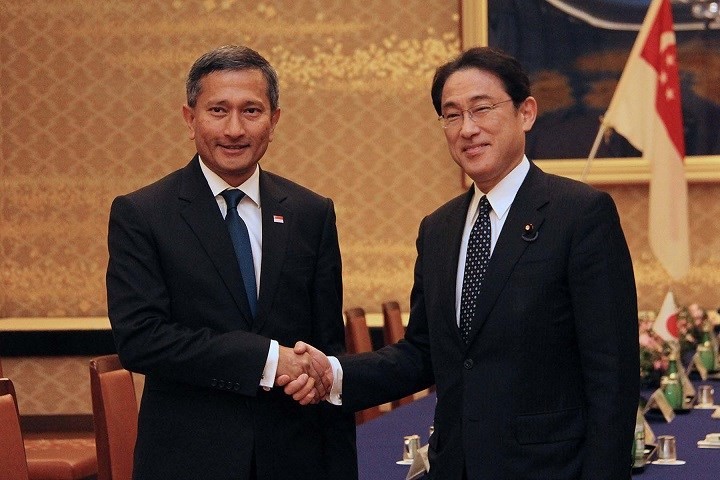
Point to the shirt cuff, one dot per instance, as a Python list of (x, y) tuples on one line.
[(268, 376), (335, 396)]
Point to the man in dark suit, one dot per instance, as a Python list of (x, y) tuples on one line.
[(534, 351), (212, 325)]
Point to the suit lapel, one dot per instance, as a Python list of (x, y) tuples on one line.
[(525, 209), (448, 253), (200, 210), (276, 224)]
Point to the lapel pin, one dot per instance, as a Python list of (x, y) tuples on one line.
[(278, 219), (529, 233)]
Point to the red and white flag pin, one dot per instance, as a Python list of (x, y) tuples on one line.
[(278, 219)]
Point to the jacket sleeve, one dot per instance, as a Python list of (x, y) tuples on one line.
[(605, 309)]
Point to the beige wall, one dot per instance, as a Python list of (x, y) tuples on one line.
[(90, 96)]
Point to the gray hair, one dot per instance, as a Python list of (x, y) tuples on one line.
[(231, 57)]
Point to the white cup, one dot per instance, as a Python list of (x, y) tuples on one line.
[(411, 444), (666, 448)]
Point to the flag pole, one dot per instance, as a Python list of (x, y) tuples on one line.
[(593, 152)]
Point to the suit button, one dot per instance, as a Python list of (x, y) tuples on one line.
[(213, 383), (468, 364), (236, 387), (221, 384)]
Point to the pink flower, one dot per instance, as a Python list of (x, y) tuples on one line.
[(646, 341), (696, 312), (661, 363)]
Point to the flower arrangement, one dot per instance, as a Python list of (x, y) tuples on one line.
[(654, 352), (691, 321)]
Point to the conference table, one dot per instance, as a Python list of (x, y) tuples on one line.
[(380, 442)]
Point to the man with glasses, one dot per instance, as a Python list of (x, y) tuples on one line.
[(523, 311), (215, 272)]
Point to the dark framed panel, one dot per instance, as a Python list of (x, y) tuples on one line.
[(575, 51)]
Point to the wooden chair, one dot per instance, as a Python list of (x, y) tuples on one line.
[(115, 413), (357, 334), (393, 328), (357, 340), (393, 332), (59, 455), (13, 463)]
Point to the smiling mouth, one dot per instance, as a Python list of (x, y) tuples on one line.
[(234, 147), (476, 148)]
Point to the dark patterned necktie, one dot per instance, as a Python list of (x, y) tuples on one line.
[(476, 262), (241, 242)]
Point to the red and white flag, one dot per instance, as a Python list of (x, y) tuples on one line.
[(665, 323), (646, 110)]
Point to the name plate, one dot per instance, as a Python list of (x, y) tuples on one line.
[(649, 434), (657, 399), (687, 386), (698, 365), (420, 465)]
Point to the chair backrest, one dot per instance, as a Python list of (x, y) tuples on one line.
[(393, 328), (393, 332), (357, 334), (13, 463), (357, 340), (115, 415)]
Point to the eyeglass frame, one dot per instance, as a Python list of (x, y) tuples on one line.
[(480, 110)]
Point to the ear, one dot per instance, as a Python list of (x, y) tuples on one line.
[(274, 118), (189, 116), (528, 110)]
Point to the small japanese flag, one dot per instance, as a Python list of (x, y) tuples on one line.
[(665, 323)]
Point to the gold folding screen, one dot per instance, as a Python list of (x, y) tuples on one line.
[(90, 96), (90, 108)]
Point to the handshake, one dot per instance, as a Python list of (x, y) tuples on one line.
[(305, 372)]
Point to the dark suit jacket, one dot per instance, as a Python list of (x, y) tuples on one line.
[(180, 316), (548, 385)]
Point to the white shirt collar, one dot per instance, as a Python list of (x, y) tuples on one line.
[(503, 194), (251, 186)]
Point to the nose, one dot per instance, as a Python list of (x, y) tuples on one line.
[(234, 126), (468, 127)]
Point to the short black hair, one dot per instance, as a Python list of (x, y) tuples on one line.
[(500, 64)]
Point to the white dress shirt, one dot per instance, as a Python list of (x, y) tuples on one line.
[(500, 198)]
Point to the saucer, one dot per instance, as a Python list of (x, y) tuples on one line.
[(707, 444), (404, 462), (669, 462)]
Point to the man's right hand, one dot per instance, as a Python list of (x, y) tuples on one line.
[(322, 376), (299, 368)]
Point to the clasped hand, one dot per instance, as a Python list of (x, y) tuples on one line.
[(305, 372)]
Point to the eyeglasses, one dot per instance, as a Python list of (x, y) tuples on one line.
[(454, 119)]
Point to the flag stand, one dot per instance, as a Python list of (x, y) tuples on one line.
[(593, 152)]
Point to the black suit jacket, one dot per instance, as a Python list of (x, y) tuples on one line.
[(180, 316), (548, 384)]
